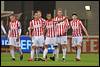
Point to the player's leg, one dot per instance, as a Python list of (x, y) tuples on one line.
[(11, 43), (47, 41), (56, 49), (32, 53), (40, 42), (32, 49), (64, 46), (56, 52), (78, 52), (79, 41), (74, 42), (45, 52), (19, 48), (12, 52), (37, 52), (57, 46), (64, 50), (21, 53)]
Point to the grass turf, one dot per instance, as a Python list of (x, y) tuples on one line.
[(86, 60)]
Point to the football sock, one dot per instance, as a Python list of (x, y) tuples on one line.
[(45, 52), (64, 52), (12, 53), (78, 53), (32, 53)]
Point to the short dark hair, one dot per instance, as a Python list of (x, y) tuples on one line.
[(35, 12), (39, 11), (48, 13), (74, 14)]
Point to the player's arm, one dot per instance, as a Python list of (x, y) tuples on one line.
[(84, 29), (19, 29), (68, 23), (44, 28), (60, 20), (30, 28)]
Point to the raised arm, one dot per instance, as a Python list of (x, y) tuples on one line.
[(60, 20)]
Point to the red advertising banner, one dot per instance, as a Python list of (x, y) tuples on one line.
[(91, 45)]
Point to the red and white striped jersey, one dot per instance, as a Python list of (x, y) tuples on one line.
[(37, 26), (50, 28), (42, 20), (61, 27), (76, 25), (13, 31)]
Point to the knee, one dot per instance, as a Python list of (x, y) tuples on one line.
[(64, 46), (46, 46), (11, 47), (78, 46), (55, 46), (33, 47)]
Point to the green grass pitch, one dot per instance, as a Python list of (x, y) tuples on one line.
[(89, 59)]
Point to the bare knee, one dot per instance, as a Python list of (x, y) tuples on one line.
[(11, 47), (33, 47), (78, 46), (64, 46), (46, 46)]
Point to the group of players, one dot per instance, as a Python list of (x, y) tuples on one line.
[(51, 31)]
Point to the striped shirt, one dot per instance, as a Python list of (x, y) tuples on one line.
[(14, 29), (50, 28), (37, 27), (61, 27), (76, 27)]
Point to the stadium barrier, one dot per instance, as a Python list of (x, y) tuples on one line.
[(87, 46)]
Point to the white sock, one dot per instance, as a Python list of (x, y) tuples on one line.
[(78, 53), (45, 53), (57, 52), (37, 52), (54, 52), (64, 52), (12, 53), (32, 53), (20, 50)]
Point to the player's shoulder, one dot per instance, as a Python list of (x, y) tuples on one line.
[(17, 21), (55, 18), (51, 20), (71, 20), (31, 20), (42, 19), (63, 16), (78, 20)]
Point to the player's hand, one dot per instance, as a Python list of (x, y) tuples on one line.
[(87, 37), (30, 36), (18, 36)]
